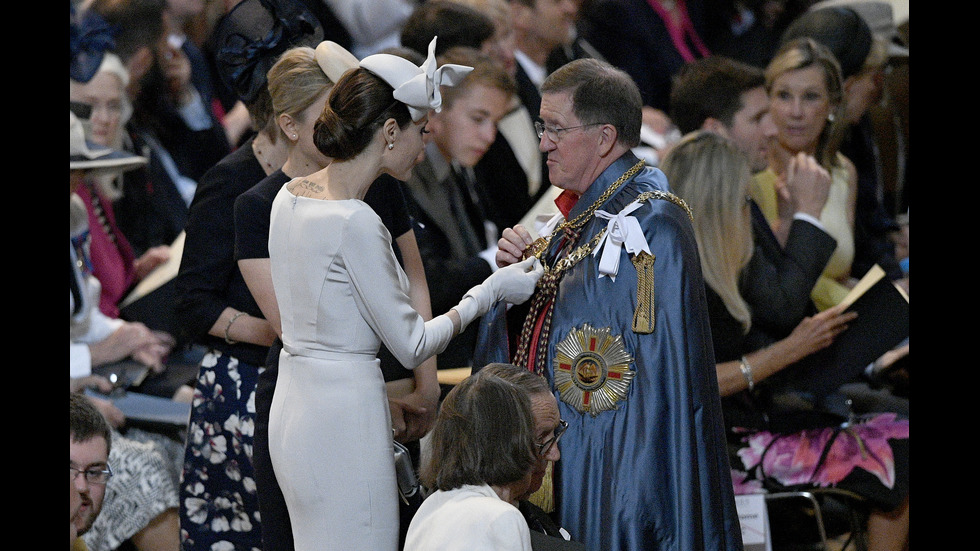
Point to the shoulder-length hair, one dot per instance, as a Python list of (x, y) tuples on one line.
[(712, 175), (484, 434)]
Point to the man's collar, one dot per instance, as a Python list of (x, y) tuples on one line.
[(602, 183), (536, 73), (440, 165)]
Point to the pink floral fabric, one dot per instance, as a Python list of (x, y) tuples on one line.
[(795, 459)]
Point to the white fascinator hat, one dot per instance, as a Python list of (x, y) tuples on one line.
[(334, 60), (416, 86)]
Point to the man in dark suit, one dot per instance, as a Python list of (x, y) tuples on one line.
[(728, 97)]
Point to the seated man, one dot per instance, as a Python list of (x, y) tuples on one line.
[(728, 98), (456, 237), (89, 440), (548, 428)]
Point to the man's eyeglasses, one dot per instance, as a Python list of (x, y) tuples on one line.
[(554, 132), (93, 475), (545, 447)]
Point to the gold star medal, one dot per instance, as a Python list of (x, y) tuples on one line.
[(591, 370)]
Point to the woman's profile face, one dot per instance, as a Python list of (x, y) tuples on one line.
[(800, 104), (408, 150)]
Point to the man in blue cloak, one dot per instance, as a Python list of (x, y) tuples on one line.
[(618, 326)]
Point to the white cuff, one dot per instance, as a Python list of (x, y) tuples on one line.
[(811, 219)]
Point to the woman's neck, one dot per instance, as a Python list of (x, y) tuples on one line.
[(271, 155), (506, 493), (780, 155), (351, 179), (298, 165)]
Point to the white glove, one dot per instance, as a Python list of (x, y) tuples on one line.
[(514, 284)]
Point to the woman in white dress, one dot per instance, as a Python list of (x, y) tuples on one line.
[(341, 293)]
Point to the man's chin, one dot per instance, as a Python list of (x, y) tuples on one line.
[(84, 519)]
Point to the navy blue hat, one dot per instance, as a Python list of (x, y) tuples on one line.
[(251, 37), (89, 37), (841, 30)]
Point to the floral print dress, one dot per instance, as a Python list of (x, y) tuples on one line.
[(219, 504)]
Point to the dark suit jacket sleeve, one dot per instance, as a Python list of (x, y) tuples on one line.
[(778, 281), (448, 278)]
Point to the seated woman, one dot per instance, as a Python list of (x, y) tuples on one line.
[(869, 455), (113, 260), (807, 106), (483, 454), (140, 505)]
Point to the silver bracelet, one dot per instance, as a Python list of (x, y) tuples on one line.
[(746, 368), (228, 327)]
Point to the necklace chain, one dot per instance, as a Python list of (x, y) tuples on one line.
[(541, 244), (543, 301), (581, 219)]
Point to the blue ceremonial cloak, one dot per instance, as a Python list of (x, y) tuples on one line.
[(652, 472)]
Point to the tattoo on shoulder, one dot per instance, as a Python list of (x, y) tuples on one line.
[(307, 188)]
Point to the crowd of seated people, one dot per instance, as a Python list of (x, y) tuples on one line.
[(827, 199)]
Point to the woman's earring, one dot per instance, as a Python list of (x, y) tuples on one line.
[(830, 117), (294, 136), (391, 146)]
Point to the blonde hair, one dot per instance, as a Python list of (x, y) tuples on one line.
[(295, 82), (712, 175), (485, 71), (803, 53)]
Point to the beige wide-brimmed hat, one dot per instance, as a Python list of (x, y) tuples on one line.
[(880, 16), (86, 155)]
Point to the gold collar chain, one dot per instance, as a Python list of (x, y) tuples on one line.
[(541, 244)]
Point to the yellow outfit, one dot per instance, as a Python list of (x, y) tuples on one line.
[(828, 291)]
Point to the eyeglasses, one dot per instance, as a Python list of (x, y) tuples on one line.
[(93, 475), (545, 447), (554, 132)]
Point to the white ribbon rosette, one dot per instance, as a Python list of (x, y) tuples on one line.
[(621, 230)]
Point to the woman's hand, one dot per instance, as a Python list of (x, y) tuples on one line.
[(122, 343), (419, 415), (807, 184), (819, 331), (404, 419), (151, 259)]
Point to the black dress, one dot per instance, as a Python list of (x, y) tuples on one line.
[(217, 493), (868, 456)]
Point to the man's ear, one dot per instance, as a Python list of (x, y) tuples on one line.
[(607, 139), (715, 126)]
